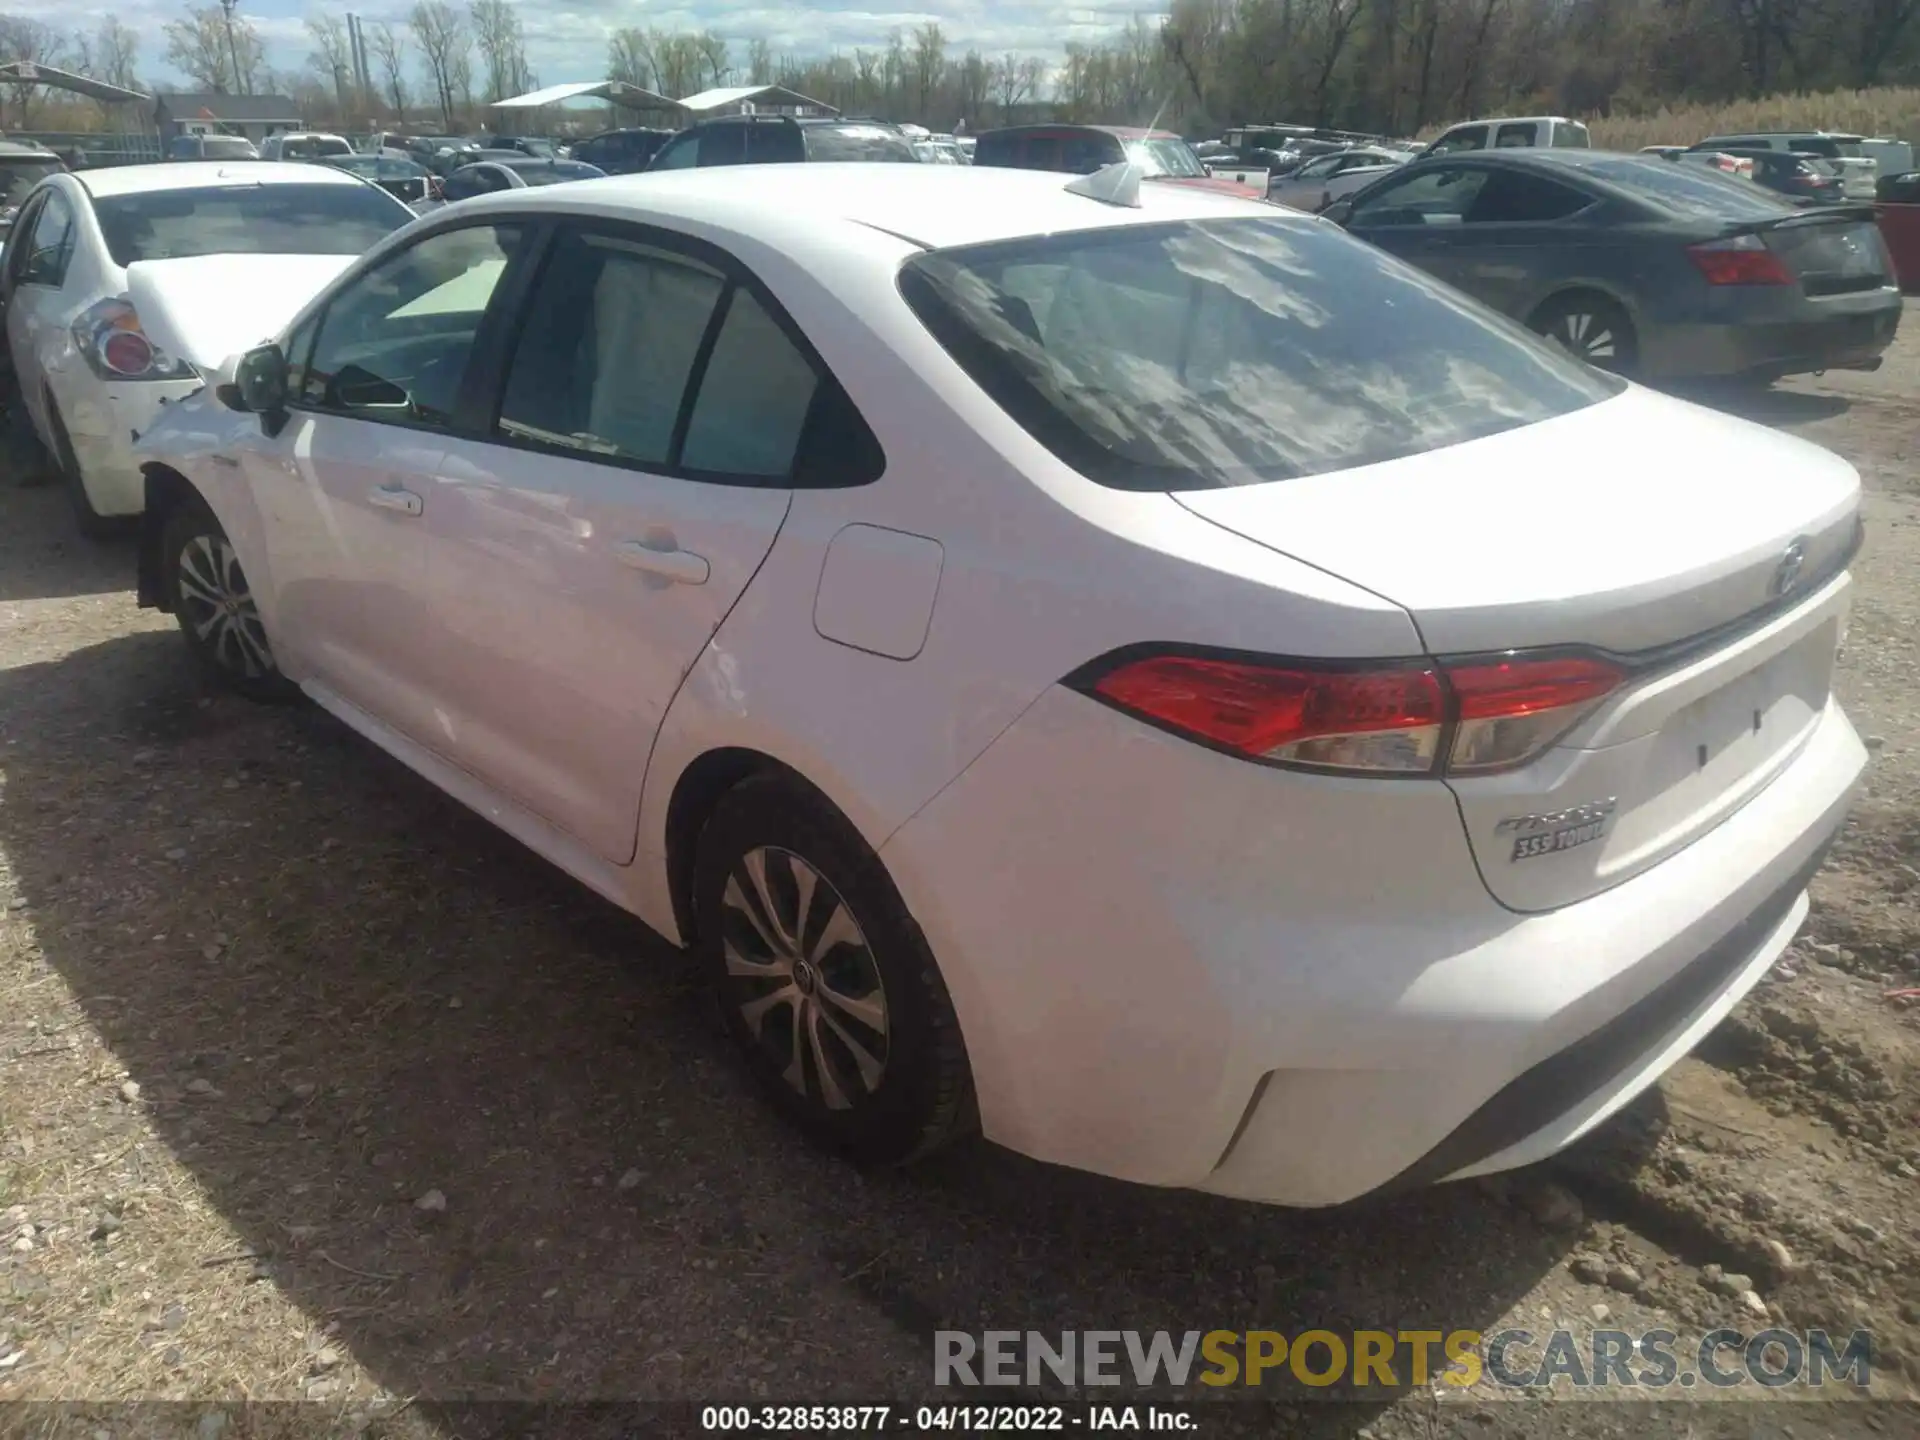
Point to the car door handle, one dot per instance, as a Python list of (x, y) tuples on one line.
[(683, 567), (392, 497)]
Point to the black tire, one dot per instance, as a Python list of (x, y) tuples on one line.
[(1591, 328), (207, 592), (814, 1052), (92, 523), (25, 458)]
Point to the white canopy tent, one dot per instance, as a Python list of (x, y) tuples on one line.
[(771, 99), (614, 92)]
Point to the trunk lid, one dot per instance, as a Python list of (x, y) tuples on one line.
[(208, 308), (1833, 251), (1641, 526)]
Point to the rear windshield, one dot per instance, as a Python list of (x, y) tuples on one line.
[(1165, 156), (18, 176), (338, 219), (1690, 189), (858, 142), (310, 147), (1192, 355), (554, 172)]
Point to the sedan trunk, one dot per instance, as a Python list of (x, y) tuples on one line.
[(1671, 540)]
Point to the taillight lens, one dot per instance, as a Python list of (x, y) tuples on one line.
[(1510, 710), (116, 348), (1417, 719), (1739, 260)]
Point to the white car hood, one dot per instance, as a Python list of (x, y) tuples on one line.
[(210, 307)]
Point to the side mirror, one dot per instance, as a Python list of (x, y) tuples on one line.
[(260, 385), (1339, 212)]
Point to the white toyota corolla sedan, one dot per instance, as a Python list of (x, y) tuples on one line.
[(244, 241), (1120, 666)]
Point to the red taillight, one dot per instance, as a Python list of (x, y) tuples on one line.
[(1510, 710), (1739, 260), (1377, 721), (126, 352)]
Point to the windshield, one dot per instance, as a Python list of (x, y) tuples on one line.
[(858, 142), (1163, 155), (336, 219), (553, 172), (17, 177), (1690, 189), (1183, 356)]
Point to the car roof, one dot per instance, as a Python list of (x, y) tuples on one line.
[(202, 174), (932, 206)]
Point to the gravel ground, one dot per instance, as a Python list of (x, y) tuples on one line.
[(314, 1086)]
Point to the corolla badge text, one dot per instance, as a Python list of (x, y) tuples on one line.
[(1550, 832)]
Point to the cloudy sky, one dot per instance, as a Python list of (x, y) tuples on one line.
[(567, 40)]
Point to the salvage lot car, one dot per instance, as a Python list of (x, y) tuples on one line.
[(90, 376), (953, 602), (1641, 266)]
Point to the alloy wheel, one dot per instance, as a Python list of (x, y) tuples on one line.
[(1589, 336), (801, 975), (219, 608)]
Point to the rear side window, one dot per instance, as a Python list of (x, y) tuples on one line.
[(754, 399), (1815, 145), (1084, 154), (1571, 135), (997, 150), (858, 142), (1467, 137), (1514, 136), (775, 145), (1186, 356), (723, 145), (1511, 199)]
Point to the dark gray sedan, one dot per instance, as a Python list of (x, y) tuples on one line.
[(1642, 266)]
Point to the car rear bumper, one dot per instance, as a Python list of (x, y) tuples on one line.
[(1835, 332), (1177, 968), (102, 422)]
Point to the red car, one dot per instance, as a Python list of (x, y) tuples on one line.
[(1082, 149)]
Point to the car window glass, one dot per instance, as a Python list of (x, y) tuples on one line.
[(723, 145), (1191, 355), (678, 154), (278, 219), (612, 333), (1571, 135), (14, 262), (1440, 196), (51, 244), (393, 345), (753, 399), (775, 144), (1042, 153), (1471, 137), (1692, 189), (865, 143), (1510, 199), (1513, 136), (1084, 154), (1317, 169)]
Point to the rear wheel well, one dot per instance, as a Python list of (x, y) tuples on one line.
[(166, 491), (1575, 293)]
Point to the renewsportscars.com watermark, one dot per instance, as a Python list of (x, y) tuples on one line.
[(1511, 1359)]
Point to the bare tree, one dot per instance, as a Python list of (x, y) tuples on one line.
[(116, 54), (926, 62), (202, 48), (503, 47), (37, 43), (713, 56), (760, 69), (441, 34), (630, 58), (387, 48), (332, 57)]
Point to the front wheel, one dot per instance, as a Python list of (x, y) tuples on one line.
[(1590, 328), (210, 597), (825, 982)]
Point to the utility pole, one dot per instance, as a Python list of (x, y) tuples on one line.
[(227, 8)]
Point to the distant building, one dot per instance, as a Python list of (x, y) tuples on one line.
[(254, 116)]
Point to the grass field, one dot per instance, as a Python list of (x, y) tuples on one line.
[(1887, 111)]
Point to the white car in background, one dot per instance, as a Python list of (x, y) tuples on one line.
[(1131, 668), (95, 254), (1326, 178), (304, 145)]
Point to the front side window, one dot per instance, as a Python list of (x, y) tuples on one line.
[(1571, 135), (682, 153), (394, 343), (50, 246), (1441, 196), (1509, 198), (1513, 136), (612, 333), (1199, 354), (18, 177), (1162, 155), (273, 219)]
